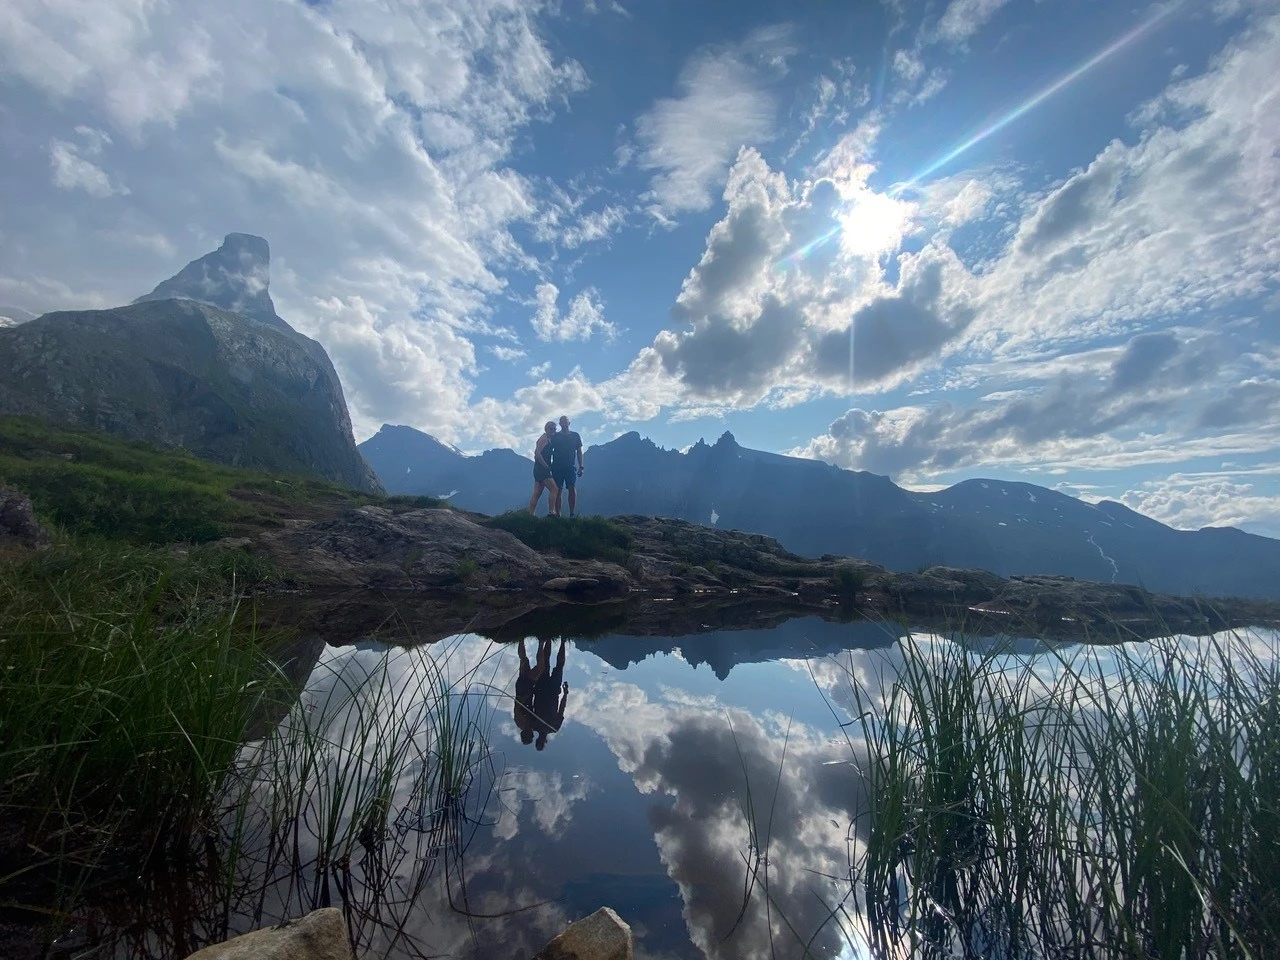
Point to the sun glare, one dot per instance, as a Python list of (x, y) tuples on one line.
[(873, 223)]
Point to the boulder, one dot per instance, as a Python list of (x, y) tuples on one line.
[(602, 936), (18, 523), (320, 935)]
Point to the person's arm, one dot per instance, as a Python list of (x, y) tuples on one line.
[(537, 451), (579, 456)]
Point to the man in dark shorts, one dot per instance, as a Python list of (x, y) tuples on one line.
[(566, 465), (526, 680), (548, 685)]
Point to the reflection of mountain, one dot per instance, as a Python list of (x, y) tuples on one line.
[(815, 508), (723, 650)]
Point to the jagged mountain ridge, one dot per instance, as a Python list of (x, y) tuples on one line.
[(815, 508), (244, 390)]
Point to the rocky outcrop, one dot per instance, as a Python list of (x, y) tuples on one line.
[(482, 577), (185, 374), (18, 524), (602, 936), (320, 935), (235, 278)]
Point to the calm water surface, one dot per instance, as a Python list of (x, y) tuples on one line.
[(703, 786)]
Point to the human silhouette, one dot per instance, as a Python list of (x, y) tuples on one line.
[(525, 681), (548, 688)]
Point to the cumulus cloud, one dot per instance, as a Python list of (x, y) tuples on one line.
[(1150, 384), (73, 170), (723, 104), (1190, 501), (584, 317)]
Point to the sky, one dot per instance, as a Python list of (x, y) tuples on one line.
[(1025, 239)]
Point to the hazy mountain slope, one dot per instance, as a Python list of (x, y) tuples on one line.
[(815, 508)]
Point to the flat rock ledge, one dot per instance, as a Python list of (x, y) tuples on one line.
[(602, 936), (453, 553), (320, 935)]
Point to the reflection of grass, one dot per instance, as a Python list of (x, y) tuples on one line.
[(582, 538), (1128, 806)]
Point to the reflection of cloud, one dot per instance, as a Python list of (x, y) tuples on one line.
[(683, 747), (551, 802)]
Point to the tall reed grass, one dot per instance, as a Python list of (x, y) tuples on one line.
[(1092, 802)]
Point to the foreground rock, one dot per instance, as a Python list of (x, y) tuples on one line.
[(454, 571), (18, 523), (602, 936), (320, 935)]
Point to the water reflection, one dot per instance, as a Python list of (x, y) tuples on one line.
[(707, 787)]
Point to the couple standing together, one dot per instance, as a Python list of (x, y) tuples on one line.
[(557, 464)]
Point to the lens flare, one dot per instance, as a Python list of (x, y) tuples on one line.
[(1039, 97)]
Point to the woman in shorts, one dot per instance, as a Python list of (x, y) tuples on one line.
[(542, 469)]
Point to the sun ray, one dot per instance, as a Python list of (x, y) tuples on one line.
[(1039, 97)]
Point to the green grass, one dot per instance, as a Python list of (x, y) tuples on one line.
[(128, 677), (95, 485), (581, 538), (1128, 804)]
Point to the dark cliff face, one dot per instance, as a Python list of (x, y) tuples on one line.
[(815, 508), (181, 373), (235, 278)]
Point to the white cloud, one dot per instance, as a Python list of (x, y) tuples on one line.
[(723, 104), (71, 171), (506, 354), (963, 18), (368, 141), (584, 317), (1191, 501)]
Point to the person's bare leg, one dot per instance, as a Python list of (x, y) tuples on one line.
[(555, 503), (537, 495), (573, 501)]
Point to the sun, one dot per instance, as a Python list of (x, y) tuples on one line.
[(873, 223)]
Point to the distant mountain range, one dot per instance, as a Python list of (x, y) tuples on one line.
[(815, 508), (202, 362)]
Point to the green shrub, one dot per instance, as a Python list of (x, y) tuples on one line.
[(848, 580), (467, 568), (581, 538)]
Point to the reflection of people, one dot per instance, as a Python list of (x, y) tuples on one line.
[(542, 471), (525, 681), (566, 465), (548, 686)]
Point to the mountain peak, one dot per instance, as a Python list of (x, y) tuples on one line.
[(235, 277)]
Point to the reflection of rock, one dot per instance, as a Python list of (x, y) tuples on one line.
[(602, 936), (18, 523), (320, 935)]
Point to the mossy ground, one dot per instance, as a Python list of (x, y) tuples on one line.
[(94, 485), (580, 538)]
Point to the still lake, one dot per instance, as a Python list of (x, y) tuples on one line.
[(706, 787)]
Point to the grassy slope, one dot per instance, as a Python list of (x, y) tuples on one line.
[(95, 485)]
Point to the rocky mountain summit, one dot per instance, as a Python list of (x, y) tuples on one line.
[(235, 278), (243, 390)]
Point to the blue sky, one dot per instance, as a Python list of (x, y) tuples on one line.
[(1030, 239)]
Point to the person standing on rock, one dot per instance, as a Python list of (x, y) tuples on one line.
[(542, 471), (566, 465)]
